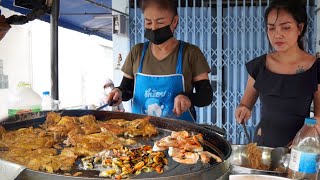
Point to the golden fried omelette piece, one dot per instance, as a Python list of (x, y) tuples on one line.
[(2, 130), (61, 126), (3, 146), (64, 126), (69, 152), (40, 159), (119, 122), (94, 142), (114, 129), (141, 127), (51, 120), (137, 127), (27, 138), (77, 152), (89, 124), (45, 159)]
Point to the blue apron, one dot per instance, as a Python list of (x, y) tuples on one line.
[(154, 94)]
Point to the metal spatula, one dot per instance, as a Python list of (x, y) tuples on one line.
[(9, 170)]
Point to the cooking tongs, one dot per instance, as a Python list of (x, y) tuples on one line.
[(245, 131), (110, 103)]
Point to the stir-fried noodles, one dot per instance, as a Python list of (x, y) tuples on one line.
[(255, 157)]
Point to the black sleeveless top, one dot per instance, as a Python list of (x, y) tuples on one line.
[(285, 99)]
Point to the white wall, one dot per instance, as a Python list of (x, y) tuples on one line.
[(84, 63), (121, 44)]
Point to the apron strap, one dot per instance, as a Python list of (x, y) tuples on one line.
[(145, 47), (179, 63)]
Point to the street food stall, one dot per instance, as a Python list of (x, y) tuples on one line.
[(75, 151)]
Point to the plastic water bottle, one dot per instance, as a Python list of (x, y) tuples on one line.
[(23, 99), (46, 102), (305, 152)]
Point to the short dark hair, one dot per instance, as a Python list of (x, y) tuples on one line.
[(171, 5), (296, 8)]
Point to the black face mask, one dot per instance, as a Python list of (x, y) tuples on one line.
[(160, 35)]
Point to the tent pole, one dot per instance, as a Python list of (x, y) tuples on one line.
[(54, 17)]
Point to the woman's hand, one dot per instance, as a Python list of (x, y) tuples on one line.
[(115, 95), (317, 126), (181, 104), (242, 114)]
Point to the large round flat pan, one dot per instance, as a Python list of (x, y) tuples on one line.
[(214, 143)]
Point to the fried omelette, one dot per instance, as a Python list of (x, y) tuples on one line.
[(137, 127), (2, 130), (91, 144), (45, 159), (28, 139), (36, 148), (32, 147)]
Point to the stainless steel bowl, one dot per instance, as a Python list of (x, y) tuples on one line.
[(239, 161)]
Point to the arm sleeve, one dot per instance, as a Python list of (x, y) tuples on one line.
[(203, 95), (251, 69), (126, 88), (254, 66)]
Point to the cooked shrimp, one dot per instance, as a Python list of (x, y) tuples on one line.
[(197, 138), (167, 142), (176, 152), (184, 148), (206, 156), (188, 158), (191, 147), (179, 134), (158, 148)]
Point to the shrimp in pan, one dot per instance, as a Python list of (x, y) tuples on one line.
[(205, 157), (179, 134), (188, 158), (165, 143), (185, 148), (176, 152)]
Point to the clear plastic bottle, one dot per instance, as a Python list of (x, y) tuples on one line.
[(305, 152), (23, 99), (46, 102)]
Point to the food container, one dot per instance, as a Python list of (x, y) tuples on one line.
[(239, 161)]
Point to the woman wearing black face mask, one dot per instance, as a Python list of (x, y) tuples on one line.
[(160, 75)]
